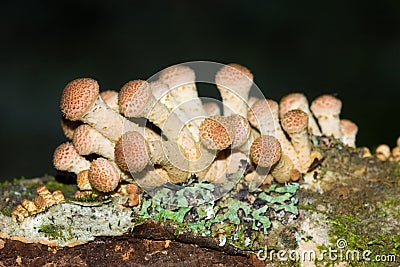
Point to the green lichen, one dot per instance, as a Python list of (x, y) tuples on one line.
[(55, 232)]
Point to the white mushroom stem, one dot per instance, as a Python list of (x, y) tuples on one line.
[(182, 88), (349, 131), (234, 83), (327, 110), (66, 158), (299, 101), (110, 97), (295, 123), (264, 115), (81, 101), (88, 140)]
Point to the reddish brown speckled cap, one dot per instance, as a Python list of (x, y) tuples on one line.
[(177, 75), (326, 105), (234, 76), (294, 121), (214, 133), (265, 151), (64, 156), (78, 96), (103, 176), (134, 97)]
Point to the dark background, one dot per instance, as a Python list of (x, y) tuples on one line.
[(349, 49)]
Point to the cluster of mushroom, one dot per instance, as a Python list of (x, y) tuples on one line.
[(196, 139), (383, 152), (43, 200)]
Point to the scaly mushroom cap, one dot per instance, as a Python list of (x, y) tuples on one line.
[(82, 139), (177, 75), (82, 180), (134, 97), (214, 133), (347, 127), (241, 128), (265, 151), (132, 152), (68, 127), (261, 109), (326, 105), (64, 156), (292, 101), (110, 97), (103, 176), (235, 77), (294, 121), (78, 96)]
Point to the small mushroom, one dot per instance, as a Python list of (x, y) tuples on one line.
[(383, 152), (266, 152), (80, 100), (82, 180), (88, 140), (327, 110), (234, 83), (295, 123), (299, 101), (264, 115), (104, 176), (66, 158), (133, 153), (349, 130)]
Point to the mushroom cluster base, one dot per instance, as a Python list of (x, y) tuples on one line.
[(358, 200)]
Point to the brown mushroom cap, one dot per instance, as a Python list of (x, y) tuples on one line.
[(234, 76), (133, 98), (64, 156), (292, 101), (347, 127), (265, 151), (78, 96), (326, 105), (294, 121), (82, 180), (214, 133), (132, 152), (83, 139), (177, 75), (103, 176)]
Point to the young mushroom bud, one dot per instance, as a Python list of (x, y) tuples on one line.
[(327, 110), (82, 180), (80, 100), (299, 101), (349, 130), (383, 152), (266, 153), (234, 83), (110, 97), (133, 153), (104, 176), (66, 158), (88, 140), (264, 115), (295, 123), (216, 133)]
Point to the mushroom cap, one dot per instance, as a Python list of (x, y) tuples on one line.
[(177, 75), (64, 155), (132, 152), (347, 127), (82, 180), (108, 95), (68, 127), (133, 98), (78, 96), (103, 176), (265, 151), (292, 101), (261, 109), (215, 133), (326, 105), (235, 77), (212, 109), (294, 121), (241, 129), (83, 139)]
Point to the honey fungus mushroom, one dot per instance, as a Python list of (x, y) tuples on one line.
[(66, 158), (327, 110)]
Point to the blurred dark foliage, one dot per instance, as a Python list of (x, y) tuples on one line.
[(348, 48)]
